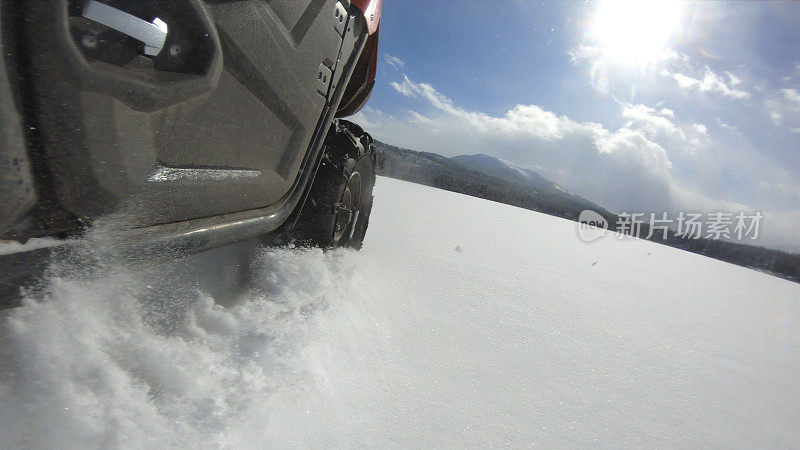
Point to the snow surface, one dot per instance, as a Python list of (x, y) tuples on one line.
[(462, 322)]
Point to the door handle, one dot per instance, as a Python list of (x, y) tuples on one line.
[(152, 35)]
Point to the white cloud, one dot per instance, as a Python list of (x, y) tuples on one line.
[(711, 82), (660, 126), (393, 61), (783, 108), (653, 162), (416, 117), (700, 128), (733, 78), (525, 120), (404, 89), (410, 89), (726, 125), (653, 121), (634, 144), (583, 52), (792, 96), (622, 168)]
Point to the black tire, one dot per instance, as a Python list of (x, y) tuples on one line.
[(336, 213)]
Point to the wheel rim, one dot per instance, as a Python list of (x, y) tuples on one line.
[(348, 205)]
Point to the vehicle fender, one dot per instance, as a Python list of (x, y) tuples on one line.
[(372, 12)]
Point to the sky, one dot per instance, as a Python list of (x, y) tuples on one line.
[(637, 106)]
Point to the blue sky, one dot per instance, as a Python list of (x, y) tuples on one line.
[(663, 107)]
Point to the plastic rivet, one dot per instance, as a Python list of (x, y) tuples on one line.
[(89, 40)]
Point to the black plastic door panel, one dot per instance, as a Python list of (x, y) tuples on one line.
[(218, 121)]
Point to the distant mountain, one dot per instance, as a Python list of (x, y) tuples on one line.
[(514, 173), (503, 169), (483, 176)]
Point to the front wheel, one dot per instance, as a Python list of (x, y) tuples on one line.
[(336, 213)]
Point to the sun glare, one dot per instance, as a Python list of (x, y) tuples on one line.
[(635, 32)]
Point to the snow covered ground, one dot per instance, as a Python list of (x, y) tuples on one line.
[(461, 323)]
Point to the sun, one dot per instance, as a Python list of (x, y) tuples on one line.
[(635, 32)]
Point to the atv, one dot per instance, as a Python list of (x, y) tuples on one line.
[(200, 122)]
